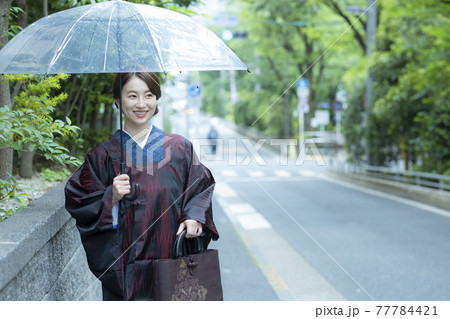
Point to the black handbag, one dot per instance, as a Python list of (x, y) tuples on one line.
[(193, 276)]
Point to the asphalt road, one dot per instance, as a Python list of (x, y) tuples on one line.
[(291, 232)]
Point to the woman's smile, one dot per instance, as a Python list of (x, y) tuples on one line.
[(141, 113)]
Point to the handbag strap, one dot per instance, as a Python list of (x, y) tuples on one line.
[(178, 246)]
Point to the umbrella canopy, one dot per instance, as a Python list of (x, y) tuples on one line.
[(113, 37), (116, 37)]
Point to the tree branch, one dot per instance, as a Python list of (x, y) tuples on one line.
[(359, 38)]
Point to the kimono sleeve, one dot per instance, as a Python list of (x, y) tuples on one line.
[(89, 195), (197, 204)]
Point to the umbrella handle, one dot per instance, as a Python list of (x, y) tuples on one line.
[(135, 194), (132, 197)]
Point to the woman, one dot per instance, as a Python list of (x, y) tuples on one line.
[(123, 238)]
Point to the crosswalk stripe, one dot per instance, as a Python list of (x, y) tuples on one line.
[(307, 173), (241, 208), (229, 173), (289, 274), (255, 173), (224, 190), (281, 173), (253, 221)]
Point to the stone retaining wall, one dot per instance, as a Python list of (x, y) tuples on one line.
[(41, 256)]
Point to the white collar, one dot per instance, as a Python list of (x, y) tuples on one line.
[(144, 141)]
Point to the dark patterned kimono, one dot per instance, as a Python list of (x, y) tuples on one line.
[(121, 247)]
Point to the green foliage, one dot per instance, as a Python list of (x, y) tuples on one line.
[(13, 28), (58, 175), (286, 40), (352, 128), (8, 192), (178, 5), (412, 85), (31, 121)]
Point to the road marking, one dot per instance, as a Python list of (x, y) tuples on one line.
[(8, 243), (281, 173), (288, 273), (225, 190), (273, 277), (229, 172), (253, 221), (240, 208), (256, 173), (307, 173), (249, 179)]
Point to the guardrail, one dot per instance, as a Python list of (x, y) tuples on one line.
[(322, 137), (430, 180)]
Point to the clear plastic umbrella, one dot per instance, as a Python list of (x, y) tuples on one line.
[(115, 37)]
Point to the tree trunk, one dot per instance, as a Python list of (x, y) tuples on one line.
[(26, 162), (107, 118), (6, 155), (45, 7), (5, 5), (22, 17), (93, 123), (403, 150)]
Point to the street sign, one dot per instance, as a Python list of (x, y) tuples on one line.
[(224, 20), (194, 90), (322, 117), (337, 106), (341, 96), (303, 100), (302, 89), (302, 83)]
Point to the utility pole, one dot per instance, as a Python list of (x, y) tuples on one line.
[(371, 30)]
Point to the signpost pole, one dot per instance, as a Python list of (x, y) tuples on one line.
[(302, 94), (301, 131)]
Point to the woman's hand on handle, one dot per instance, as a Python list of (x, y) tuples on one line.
[(121, 187), (193, 228)]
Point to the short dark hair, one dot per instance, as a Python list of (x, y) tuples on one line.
[(150, 78)]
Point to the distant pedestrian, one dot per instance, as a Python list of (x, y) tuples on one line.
[(212, 137)]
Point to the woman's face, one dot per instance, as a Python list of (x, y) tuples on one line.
[(138, 103)]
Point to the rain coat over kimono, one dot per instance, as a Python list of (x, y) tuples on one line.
[(122, 246)]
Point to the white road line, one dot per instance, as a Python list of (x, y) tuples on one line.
[(229, 172), (307, 173), (224, 190), (240, 208), (253, 221), (289, 274), (256, 173), (281, 173)]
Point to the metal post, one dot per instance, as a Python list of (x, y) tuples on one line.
[(233, 88), (371, 29), (301, 131)]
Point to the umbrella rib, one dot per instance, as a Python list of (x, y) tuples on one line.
[(118, 44), (65, 41), (107, 39), (157, 44)]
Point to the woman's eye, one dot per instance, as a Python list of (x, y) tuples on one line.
[(149, 96)]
